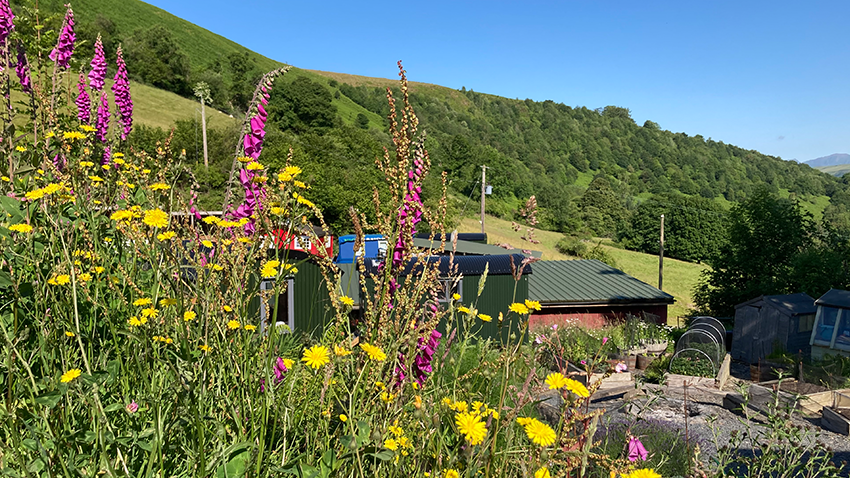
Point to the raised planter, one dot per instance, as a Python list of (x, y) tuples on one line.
[(657, 348), (643, 361)]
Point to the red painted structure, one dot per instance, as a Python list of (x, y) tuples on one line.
[(323, 247), (595, 316)]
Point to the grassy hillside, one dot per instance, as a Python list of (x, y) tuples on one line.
[(679, 277), (837, 170)]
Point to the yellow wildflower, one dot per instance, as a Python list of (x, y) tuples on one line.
[(343, 418), (391, 444), (254, 166), (375, 353), (250, 328), (150, 312), (387, 397), (485, 317), (463, 309), (532, 304), (134, 321), (542, 473), (227, 308), (451, 474), (556, 381), (316, 356), (288, 363), (277, 211), (70, 334), (159, 187), (471, 427), (72, 135), (346, 300), (292, 171), (189, 315), (207, 244), (577, 388), (96, 179), (99, 269), (643, 473), (211, 219), (156, 218), (86, 164), (269, 269), (167, 302), (35, 195), (166, 236), (21, 148), (341, 351), (284, 178), (87, 128), (62, 279), (205, 347), (85, 277), (22, 228), (540, 433), (121, 215), (70, 375), (5, 179), (233, 324), (141, 302), (244, 159), (456, 296), (518, 308)]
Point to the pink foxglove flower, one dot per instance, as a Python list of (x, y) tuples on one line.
[(6, 18), (102, 125), (83, 102), (636, 450), (121, 90), (279, 370), (65, 46), (98, 66), (22, 69)]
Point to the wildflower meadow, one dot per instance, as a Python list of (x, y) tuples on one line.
[(132, 336)]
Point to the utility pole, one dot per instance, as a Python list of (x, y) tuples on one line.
[(202, 91), (661, 256), (483, 190)]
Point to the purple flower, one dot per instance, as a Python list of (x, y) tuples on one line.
[(65, 46), (98, 66), (6, 25), (59, 161), (621, 367), (539, 339), (107, 156), (102, 118), (132, 407), (279, 370), (554, 326), (121, 90), (637, 450), (22, 69), (83, 102), (583, 362), (422, 363), (604, 340)]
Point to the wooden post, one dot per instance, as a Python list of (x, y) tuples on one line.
[(483, 191), (661, 256), (204, 130)]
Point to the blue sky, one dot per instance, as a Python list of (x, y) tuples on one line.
[(770, 76)]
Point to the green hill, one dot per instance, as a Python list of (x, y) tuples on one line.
[(837, 170)]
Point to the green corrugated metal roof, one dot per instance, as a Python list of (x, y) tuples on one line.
[(588, 281), (473, 248)]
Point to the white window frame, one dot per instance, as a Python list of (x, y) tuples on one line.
[(290, 306), (450, 286)]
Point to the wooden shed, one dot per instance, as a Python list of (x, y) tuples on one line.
[(592, 293), (831, 332), (771, 323)]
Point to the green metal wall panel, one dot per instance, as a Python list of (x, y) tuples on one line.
[(312, 303), (499, 293)]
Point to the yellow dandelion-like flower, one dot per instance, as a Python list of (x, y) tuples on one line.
[(292, 170), (211, 220), (244, 240), (387, 397), (254, 166), (70, 375), (119, 161), (86, 164), (96, 179), (62, 279), (284, 178), (456, 296), (99, 269), (288, 363), (250, 328), (72, 135), (316, 356), (134, 321), (5, 179), (159, 187), (122, 215), (35, 195), (167, 302), (577, 388), (205, 348), (375, 353), (227, 308), (341, 351), (269, 269), (556, 381), (542, 473), (226, 242), (244, 159), (84, 277), (141, 302), (146, 171), (21, 228), (463, 309), (150, 312), (106, 167), (289, 269), (277, 210), (452, 473), (343, 418), (166, 236), (215, 267), (21, 148), (391, 444), (643, 473), (518, 308), (189, 315), (540, 433), (346, 300), (53, 188), (50, 134), (207, 244), (302, 200), (88, 128), (70, 334), (471, 427), (485, 317), (532, 304), (233, 324), (156, 218)]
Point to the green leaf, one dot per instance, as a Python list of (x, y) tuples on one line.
[(35, 466), (236, 466), (49, 399), (384, 455), (29, 443), (113, 407)]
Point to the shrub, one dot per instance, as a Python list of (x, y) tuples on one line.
[(670, 454)]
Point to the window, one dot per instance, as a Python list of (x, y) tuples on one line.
[(449, 287), (842, 338), (827, 317), (805, 323)]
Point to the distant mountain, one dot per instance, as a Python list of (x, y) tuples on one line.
[(838, 170), (831, 160)]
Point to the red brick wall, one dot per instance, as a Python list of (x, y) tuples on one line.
[(593, 317)]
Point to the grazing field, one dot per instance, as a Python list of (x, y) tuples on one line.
[(679, 277)]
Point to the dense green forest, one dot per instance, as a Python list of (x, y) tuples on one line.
[(594, 172)]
